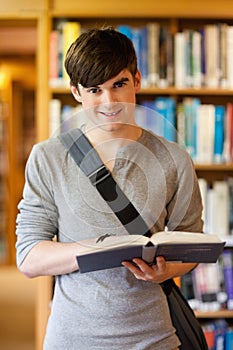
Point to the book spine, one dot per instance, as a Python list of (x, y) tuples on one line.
[(229, 339), (153, 53), (211, 52), (229, 54), (221, 201), (205, 135), (70, 32), (223, 55), (54, 58), (227, 259), (219, 135), (196, 60), (179, 59), (54, 117), (143, 32)]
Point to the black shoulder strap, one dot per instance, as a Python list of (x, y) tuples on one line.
[(90, 163)]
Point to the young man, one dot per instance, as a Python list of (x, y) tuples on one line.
[(125, 307)]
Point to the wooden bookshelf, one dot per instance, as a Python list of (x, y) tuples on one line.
[(172, 14), (175, 14)]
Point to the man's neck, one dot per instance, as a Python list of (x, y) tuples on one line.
[(107, 143)]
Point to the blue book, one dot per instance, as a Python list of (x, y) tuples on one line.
[(126, 30), (150, 119), (227, 259), (166, 107), (219, 134), (229, 339), (143, 52), (190, 115), (220, 332)]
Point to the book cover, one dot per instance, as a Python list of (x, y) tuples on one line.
[(166, 109), (70, 31), (153, 53), (229, 45), (227, 261), (211, 53), (179, 60), (221, 201), (219, 134), (206, 285), (229, 339), (191, 106), (205, 134), (109, 251), (54, 57)]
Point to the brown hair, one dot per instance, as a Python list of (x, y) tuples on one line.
[(98, 55)]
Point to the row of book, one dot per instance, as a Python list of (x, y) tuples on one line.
[(209, 287), (219, 335), (205, 130), (217, 198), (188, 58)]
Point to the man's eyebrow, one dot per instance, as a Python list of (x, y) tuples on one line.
[(122, 80)]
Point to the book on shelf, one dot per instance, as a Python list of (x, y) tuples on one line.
[(227, 263), (229, 47), (219, 133), (70, 32), (153, 53), (206, 287), (179, 60), (228, 140), (211, 53), (218, 195), (108, 251), (205, 134), (166, 109), (191, 106)]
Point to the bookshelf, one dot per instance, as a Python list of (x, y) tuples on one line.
[(175, 16)]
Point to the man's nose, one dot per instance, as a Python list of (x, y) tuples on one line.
[(108, 97)]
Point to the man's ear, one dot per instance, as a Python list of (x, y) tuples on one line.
[(137, 81), (75, 93)]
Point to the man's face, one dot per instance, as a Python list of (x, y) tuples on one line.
[(111, 103)]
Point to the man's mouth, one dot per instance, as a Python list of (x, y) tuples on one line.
[(110, 114)]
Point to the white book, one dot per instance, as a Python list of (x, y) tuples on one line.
[(211, 54), (230, 56), (179, 60), (203, 185), (54, 117), (210, 211), (196, 58), (205, 133), (221, 207), (153, 53)]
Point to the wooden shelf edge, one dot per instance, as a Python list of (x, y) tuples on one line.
[(163, 91), (214, 167), (214, 314)]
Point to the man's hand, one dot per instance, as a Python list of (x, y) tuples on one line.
[(159, 272)]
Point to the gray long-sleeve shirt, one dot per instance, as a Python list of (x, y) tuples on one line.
[(107, 309)]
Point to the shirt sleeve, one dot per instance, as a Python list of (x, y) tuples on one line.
[(37, 218), (185, 208)]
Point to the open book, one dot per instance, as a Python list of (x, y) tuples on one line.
[(108, 251)]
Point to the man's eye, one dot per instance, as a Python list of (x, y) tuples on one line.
[(93, 90), (119, 84)]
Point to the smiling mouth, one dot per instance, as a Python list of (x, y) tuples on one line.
[(111, 114)]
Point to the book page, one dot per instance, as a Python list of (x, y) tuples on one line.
[(106, 242), (183, 237)]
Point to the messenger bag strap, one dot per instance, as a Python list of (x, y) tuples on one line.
[(86, 157)]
